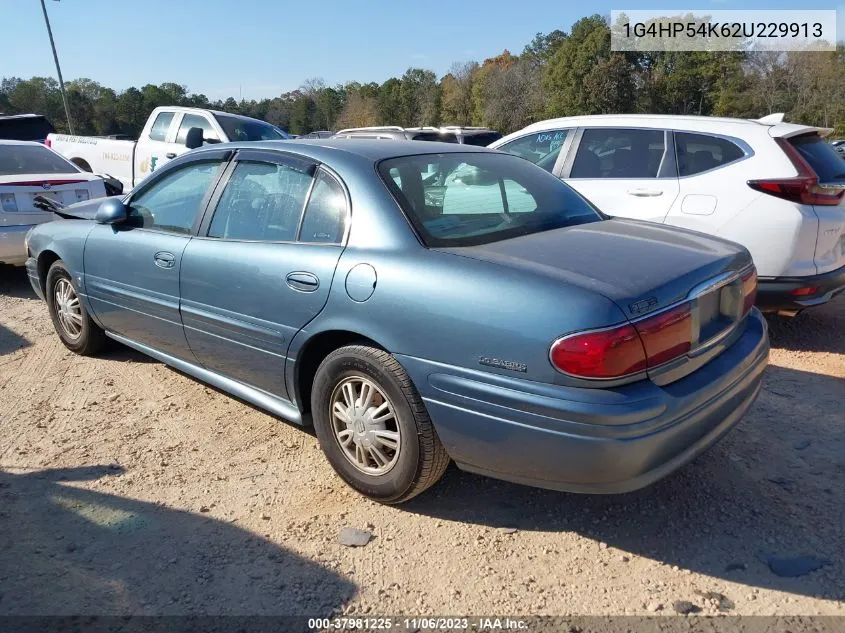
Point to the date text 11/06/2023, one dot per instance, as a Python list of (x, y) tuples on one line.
[(417, 624)]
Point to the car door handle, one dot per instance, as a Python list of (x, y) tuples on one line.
[(645, 193), (171, 154), (163, 259), (304, 282)]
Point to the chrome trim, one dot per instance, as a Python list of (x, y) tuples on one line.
[(710, 285)]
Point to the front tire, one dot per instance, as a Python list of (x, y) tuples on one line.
[(373, 426), (71, 320)]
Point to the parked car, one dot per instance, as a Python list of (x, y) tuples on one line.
[(531, 339), (776, 188), (482, 136), (317, 134), (25, 127), (29, 169), (449, 134), (165, 136)]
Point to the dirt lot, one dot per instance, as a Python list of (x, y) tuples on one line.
[(126, 487)]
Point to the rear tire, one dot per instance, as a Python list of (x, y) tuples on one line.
[(373, 426), (71, 320)]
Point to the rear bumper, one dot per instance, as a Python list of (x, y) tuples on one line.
[(590, 440), (776, 293), (12, 246)]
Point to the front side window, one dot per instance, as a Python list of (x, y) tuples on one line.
[(325, 215), (541, 148), (261, 202), (701, 152), (619, 153), (32, 159), (173, 201), (158, 132), (459, 199), (193, 120)]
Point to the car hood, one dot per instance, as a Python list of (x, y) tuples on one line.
[(640, 266)]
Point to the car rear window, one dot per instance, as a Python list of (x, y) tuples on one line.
[(824, 160), (481, 140), (32, 159), (25, 128), (244, 129), (435, 136), (466, 199)]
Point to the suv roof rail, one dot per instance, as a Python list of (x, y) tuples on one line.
[(465, 127), (372, 128)]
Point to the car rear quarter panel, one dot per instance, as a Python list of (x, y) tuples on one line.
[(456, 311)]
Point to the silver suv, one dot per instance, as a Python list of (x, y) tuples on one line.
[(450, 134)]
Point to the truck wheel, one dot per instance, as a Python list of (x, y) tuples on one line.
[(373, 426), (70, 318)]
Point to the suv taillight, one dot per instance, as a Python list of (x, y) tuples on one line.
[(803, 188), (625, 350)]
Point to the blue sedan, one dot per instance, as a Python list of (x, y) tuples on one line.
[(419, 303)]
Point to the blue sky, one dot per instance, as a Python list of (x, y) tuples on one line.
[(260, 48)]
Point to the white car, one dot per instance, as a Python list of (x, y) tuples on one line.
[(776, 188), (27, 170)]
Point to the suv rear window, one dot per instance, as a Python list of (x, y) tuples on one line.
[(435, 136), (824, 160), (466, 199), (482, 140), (34, 128)]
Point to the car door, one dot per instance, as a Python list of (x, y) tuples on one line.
[(132, 269), (626, 172), (262, 267), (152, 148)]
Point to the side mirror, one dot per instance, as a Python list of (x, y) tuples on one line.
[(111, 211), (193, 139)]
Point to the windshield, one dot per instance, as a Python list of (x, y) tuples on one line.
[(32, 159), (459, 199), (243, 129)]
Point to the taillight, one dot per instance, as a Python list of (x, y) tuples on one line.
[(803, 188), (749, 291), (604, 354), (804, 291), (666, 335), (48, 142)]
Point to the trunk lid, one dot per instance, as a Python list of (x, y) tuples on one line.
[(18, 192), (640, 266)]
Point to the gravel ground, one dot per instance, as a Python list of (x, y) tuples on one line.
[(126, 487)]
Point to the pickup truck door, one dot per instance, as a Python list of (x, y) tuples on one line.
[(154, 145), (262, 265), (132, 269), (625, 172)]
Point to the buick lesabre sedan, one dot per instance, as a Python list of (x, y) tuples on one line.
[(419, 303)]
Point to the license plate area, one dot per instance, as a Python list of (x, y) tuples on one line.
[(717, 312)]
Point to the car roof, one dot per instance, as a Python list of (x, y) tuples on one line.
[(371, 150), (21, 116), (678, 121)]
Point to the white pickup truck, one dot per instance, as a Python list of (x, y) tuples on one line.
[(166, 135)]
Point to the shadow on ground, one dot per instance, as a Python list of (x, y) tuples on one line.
[(774, 485), (15, 283), (65, 550), (818, 329)]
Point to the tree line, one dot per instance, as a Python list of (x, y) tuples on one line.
[(557, 74)]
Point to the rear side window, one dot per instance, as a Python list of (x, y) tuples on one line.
[(619, 153), (701, 152), (481, 140), (158, 132), (261, 202), (541, 148), (435, 136), (325, 215), (192, 120), (824, 160)]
